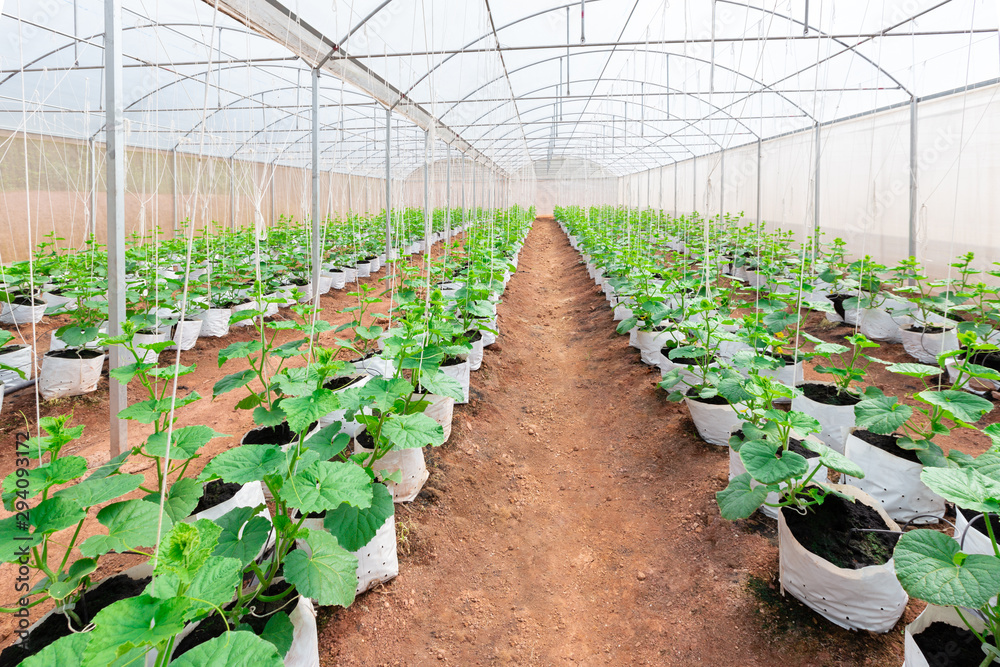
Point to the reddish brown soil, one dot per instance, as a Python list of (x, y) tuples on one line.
[(571, 518)]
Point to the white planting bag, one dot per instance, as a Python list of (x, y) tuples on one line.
[(869, 598), (836, 420), (441, 410), (141, 353), (377, 560), (714, 423), (364, 269), (893, 481), (925, 347), (60, 378), (21, 359), (376, 264), (17, 314), (411, 466), (215, 322), (476, 355), (338, 279), (304, 651), (912, 656), (250, 494), (186, 334), (460, 372), (350, 274), (325, 283)]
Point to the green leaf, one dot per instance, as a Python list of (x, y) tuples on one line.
[(303, 411), (959, 405), (59, 590), (914, 370), (184, 442), (626, 325), (833, 459), (144, 412), (233, 381), (327, 575), (264, 417), (442, 384), (14, 537), (130, 524), (328, 442), (965, 487), (354, 528), (762, 462), (243, 534), (65, 652), (993, 431), (412, 431), (739, 500), (930, 567), (43, 477), (882, 414), (99, 490), (132, 622), (124, 374), (55, 514), (239, 350), (182, 498), (325, 485), (232, 649), (244, 464), (280, 632)]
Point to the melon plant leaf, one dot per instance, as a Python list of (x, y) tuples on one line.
[(14, 536), (111, 467), (959, 405), (354, 528), (233, 381), (239, 350), (914, 370), (328, 442), (442, 384), (965, 487), (244, 464), (182, 497), (930, 566), (280, 632), (65, 652), (184, 442), (264, 417), (212, 585), (324, 485), (243, 534), (45, 476), (626, 325), (328, 575), (739, 500), (993, 431), (97, 490), (301, 411), (833, 459), (987, 463), (412, 431), (882, 414), (130, 524), (132, 622), (126, 373), (230, 649), (79, 569), (56, 513), (762, 462)]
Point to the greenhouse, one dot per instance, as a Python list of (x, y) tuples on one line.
[(495, 332)]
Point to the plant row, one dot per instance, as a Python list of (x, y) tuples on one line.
[(720, 307), (240, 548)]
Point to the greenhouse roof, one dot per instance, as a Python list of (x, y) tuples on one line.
[(626, 84)]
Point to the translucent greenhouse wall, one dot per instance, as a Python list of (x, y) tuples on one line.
[(864, 176)]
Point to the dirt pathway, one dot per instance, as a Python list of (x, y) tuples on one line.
[(571, 518)]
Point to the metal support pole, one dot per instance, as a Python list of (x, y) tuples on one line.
[(676, 207), (270, 187), (816, 194), (912, 245), (447, 201), (722, 184), (93, 189), (232, 193), (115, 159), (464, 208), (388, 184), (177, 210), (759, 152), (427, 198), (315, 185), (694, 183)]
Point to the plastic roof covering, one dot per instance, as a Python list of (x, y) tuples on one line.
[(653, 83)]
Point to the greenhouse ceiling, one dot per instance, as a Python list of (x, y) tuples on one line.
[(626, 84)]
